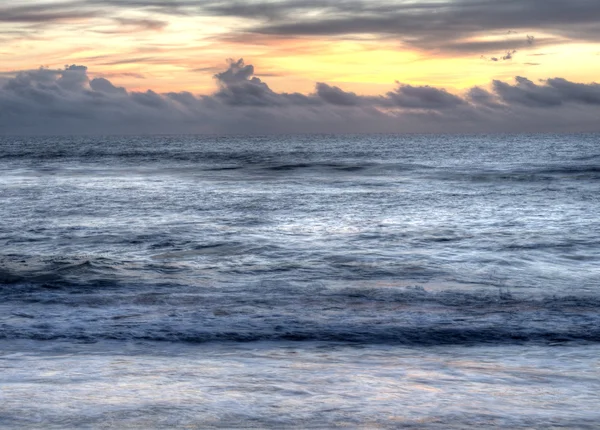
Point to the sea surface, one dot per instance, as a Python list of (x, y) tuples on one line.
[(377, 281)]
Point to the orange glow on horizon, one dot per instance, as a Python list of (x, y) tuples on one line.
[(182, 53)]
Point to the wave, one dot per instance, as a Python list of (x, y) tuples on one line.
[(53, 272), (350, 167), (276, 311), (567, 172), (350, 333), (378, 168)]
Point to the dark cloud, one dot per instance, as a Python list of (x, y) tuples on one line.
[(554, 92), (423, 97), (481, 97), (486, 45), (446, 26), (167, 7), (149, 99), (103, 85), (509, 55), (237, 73), (404, 96), (73, 78), (67, 101), (526, 93), (436, 25), (575, 92), (337, 96), (143, 24), (130, 25), (45, 13), (239, 87)]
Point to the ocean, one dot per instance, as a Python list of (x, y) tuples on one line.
[(310, 281)]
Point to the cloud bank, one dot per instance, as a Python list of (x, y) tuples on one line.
[(71, 101)]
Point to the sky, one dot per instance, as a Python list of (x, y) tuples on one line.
[(261, 66)]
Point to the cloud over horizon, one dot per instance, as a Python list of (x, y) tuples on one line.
[(71, 101), (360, 43)]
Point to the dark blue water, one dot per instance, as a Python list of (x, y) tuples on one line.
[(400, 246)]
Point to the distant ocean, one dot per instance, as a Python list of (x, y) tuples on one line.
[(370, 281)]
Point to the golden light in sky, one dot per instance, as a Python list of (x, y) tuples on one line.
[(180, 45)]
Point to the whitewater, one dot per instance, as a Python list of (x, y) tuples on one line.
[(306, 281)]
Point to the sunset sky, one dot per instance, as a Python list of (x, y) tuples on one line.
[(366, 48)]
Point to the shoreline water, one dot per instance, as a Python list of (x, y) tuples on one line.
[(296, 385)]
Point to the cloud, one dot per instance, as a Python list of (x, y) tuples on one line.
[(336, 96), (68, 100), (142, 24), (423, 97), (487, 45), (133, 25), (509, 55), (433, 25), (45, 13), (404, 96), (528, 42), (238, 87), (575, 92), (134, 60), (103, 85), (481, 97), (121, 75), (554, 92), (450, 26)]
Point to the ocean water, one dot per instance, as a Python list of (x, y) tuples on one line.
[(300, 281)]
